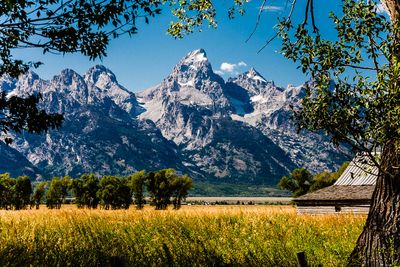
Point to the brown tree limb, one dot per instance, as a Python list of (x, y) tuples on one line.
[(258, 20), (277, 33)]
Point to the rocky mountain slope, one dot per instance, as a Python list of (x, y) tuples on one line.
[(235, 131), (267, 107), (186, 111), (191, 108), (16, 164), (100, 133)]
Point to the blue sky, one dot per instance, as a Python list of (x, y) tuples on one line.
[(145, 59)]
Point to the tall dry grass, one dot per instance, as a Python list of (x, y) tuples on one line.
[(192, 236)]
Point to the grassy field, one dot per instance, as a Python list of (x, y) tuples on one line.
[(192, 236)]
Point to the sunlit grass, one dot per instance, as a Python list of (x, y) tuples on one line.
[(192, 236)]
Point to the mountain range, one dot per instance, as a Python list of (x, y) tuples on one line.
[(236, 131)]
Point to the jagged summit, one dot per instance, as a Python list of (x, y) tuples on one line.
[(69, 72), (7, 83), (195, 56), (255, 84), (68, 77), (192, 82), (194, 62), (30, 75), (67, 80), (193, 121), (99, 74), (255, 75), (102, 82)]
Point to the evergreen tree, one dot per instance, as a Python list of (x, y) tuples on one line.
[(159, 187), (79, 192), (165, 184)]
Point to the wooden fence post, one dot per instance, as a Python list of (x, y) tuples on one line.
[(301, 259), (119, 261)]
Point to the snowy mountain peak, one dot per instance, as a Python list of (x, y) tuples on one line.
[(195, 56), (28, 83), (194, 72), (30, 76), (193, 121), (67, 80), (100, 76), (69, 73), (103, 84), (194, 62), (255, 75)]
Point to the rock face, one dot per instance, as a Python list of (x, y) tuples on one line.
[(235, 131), (100, 133), (16, 164), (269, 108), (192, 108)]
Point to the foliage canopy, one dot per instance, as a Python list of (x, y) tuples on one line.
[(345, 102), (301, 181)]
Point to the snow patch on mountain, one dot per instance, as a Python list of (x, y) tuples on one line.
[(103, 83), (272, 114), (195, 56), (236, 131), (254, 75)]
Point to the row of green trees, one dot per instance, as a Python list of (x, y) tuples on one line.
[(163, 187), (301, 181), (14, 193)]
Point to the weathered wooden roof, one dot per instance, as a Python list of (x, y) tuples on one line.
[(341, 193), (359, 172)]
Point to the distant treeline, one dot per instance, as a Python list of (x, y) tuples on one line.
[(301, 181), (163, 187)]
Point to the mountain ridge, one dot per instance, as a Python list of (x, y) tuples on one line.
[(193, 121)]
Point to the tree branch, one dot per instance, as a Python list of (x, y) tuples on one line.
[(23, 41), (277, 33), (258, 20), (315, 29), (306, 13)]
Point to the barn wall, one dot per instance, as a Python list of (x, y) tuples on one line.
[(356, 209), (362, 209)]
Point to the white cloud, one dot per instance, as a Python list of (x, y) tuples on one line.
[(230, 68), (273, 8), (227, 67)]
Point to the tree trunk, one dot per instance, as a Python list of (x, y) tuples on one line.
[(393, 8), (379, 243)]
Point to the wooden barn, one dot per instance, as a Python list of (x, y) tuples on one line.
[(351, 193)]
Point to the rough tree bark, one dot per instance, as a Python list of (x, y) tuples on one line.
[(393, 7), (379, 242)]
